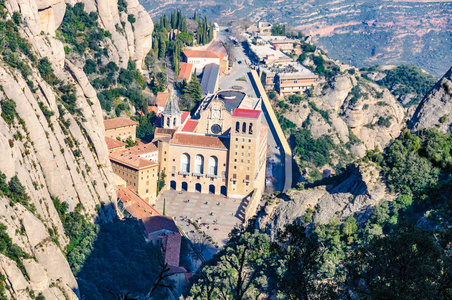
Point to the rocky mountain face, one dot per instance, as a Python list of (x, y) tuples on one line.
[(436, 108), (55, 153), (357, 191), (134, 41), (355, 106), (360, 187)]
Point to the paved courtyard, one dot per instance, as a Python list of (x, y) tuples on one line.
[(215, 214)]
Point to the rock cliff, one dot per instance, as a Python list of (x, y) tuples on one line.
[(57, 151), (128, 40), (354, 194), (435, 110)]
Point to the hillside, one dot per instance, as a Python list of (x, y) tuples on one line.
[(56, 182), (390, 32)]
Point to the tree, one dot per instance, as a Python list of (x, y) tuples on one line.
[(297, 267), (16, 186), (8, 110), (145, 129), (407, 264), (237, 272)]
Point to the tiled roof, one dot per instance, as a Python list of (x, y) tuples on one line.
[(190, 126), (202, 54), (246, 113), (164, 131), (198, 141), (185, 71), (175, 270), (118, 123), (217, 47), (134, 204), (184, 116), (155, 109), (113, 143), (141, 149), (130, 160), (157, 223), (161, 98), (171, 248)]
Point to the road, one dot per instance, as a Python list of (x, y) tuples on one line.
[(276, 154)]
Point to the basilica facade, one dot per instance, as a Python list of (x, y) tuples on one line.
[(221, 149)]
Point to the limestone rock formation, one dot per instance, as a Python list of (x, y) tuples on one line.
[(435, 110), (360, 190), (53, 152), (43, 17)]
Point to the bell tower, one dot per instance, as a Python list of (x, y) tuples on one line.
[(171, 115)]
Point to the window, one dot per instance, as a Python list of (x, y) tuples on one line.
[(185, 163), (173, 169), (244, 128), (237, 127), (174, 122), (213, 165), (167, 122), (250, 131), (199, 164), (147, 183)]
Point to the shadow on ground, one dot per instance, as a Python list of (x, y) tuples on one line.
[(120, 261)]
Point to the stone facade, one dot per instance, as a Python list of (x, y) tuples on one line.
[(120, 127), (221, 151), (139, 174)]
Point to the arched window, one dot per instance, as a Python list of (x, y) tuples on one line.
[(174, 121), (167, 121), (213, 165), (244, 127), (237, 127), (185, 163), (199, 164), (250, 131)]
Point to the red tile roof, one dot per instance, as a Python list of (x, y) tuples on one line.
[(155, 109), (141, 149), (131, 160), (202, 54), (161, 98), (171, 248), (246, 113), (185, 71), (134, 204), (198, 141), (114, 143), (118, 123), (190, 126), (184, 116), (157, 223)]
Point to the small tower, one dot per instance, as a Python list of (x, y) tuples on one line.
[(171, 114)]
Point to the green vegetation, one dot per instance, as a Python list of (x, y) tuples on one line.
[(278, 30), (81, 30), (106, 257), (405, 81), (145, 129), (12, 251), (15, 191), (82, 234), (191, 94), (8, 110), (121, 261), (311, 150), (413, 162)]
